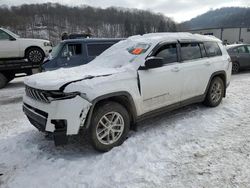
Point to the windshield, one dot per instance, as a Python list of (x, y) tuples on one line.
[(122, 53), (56, 50), (11, 33)]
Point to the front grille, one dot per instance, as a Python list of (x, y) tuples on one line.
[(36, 94)]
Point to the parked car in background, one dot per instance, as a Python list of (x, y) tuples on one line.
[(75, 52), (14, 47), (240, 55), (134, 79)]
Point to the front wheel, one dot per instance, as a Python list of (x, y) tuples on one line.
[(215, 92), (109, 127), (35, 55)]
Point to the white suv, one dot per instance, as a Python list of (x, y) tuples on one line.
[(134, 79), (14, 47)]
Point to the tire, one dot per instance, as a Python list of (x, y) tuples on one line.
[(235, 67), (3, 81), (35, 55), (215, 92), (101, 125)]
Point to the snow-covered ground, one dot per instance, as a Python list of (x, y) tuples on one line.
[(195, 147)]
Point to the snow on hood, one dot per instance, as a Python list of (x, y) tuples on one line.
[(114, 60), (53, 80)]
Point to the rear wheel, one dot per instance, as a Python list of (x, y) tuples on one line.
[(109, 127), (235, 67), (35, 55), (3, 80), (215, 92)]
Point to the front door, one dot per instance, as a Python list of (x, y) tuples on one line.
[(9, 47), (161, 86), (71, 55)]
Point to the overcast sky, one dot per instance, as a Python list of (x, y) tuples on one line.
[(179, 10)]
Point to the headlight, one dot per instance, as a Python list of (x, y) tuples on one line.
[(58, 95), (47, 44)]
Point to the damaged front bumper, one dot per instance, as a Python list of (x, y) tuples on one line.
[(60, 117)]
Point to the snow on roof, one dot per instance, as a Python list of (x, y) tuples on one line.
[(177, 36)]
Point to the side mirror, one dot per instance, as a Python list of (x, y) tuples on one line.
[(153, 62)]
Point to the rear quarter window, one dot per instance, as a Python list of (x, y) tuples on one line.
[(97, 49), (212, 49)]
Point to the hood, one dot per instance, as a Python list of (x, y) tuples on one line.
[(54, 80), (33, 40)]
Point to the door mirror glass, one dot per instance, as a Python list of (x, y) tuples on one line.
[(153, 62)]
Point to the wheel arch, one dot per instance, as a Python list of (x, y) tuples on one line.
[(123, 98), (222, 75), (30, 47)]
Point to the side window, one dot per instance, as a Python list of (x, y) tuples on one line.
[(97, 49), (235, 50), (4, 36), (212, 49), (168, 53), (190, 51), (242, 49), (72, 50)]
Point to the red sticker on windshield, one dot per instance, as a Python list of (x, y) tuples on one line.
[(137, 51)]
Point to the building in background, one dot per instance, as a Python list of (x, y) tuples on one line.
[(227, 35)]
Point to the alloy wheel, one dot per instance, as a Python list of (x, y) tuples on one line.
[(110, 128), (35, 56), (235, 68), (216, 92)]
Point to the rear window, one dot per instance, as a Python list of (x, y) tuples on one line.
[(212, 49), (190, 51), (97, 49)]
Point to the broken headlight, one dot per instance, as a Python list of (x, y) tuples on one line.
[(58, 95)]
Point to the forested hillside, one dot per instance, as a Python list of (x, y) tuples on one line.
[(51, 20), (224, 17)]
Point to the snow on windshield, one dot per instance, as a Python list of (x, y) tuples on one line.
[(121, 54)]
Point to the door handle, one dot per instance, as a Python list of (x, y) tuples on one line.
[(175, 69)]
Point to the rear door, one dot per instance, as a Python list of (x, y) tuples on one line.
[(243, 56), (196, 69), (161, 86), (247, 60), (95, 49), (9, 47)]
